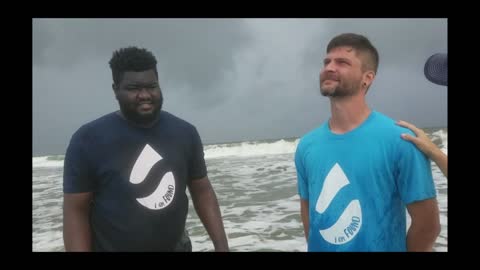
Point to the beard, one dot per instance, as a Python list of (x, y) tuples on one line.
[(341, 88), (131, 113)]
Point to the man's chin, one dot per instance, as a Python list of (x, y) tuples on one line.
[(147, 116), (142, 118), (327, 92), (145, 113)]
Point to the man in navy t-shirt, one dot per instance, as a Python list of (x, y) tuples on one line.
[(126, 173)]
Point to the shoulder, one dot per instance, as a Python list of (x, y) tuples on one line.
[(388, 128), (171, 120), (90, 128), (182, 130), (389, 133)]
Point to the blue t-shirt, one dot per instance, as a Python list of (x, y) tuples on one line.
[(358, 185), (138, 177)]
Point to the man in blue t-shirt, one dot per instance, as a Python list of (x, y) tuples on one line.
[(126, 173), (356, 176)]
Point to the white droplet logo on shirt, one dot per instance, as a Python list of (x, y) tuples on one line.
[(163, 195), (350, 221)]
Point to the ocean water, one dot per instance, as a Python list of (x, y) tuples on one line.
[(255, 183)]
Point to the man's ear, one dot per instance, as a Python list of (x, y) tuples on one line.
[(369, 77), (115, 88)]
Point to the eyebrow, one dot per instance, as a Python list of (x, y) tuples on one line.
[(327, 60), (141, 84)]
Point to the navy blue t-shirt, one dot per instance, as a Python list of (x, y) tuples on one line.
[(138, 177)]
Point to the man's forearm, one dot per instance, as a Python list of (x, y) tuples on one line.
[(208, 210), (421, 239), (76, 232)]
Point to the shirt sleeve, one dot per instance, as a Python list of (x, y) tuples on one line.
[(414, 174), (197, 167), (302, 181), (77, 176)]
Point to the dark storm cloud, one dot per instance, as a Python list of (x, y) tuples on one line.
[(233, 79), (195, 52)]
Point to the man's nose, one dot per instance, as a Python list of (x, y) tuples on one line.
[(143, 92), (329, 67)]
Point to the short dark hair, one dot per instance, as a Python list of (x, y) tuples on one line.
[(131, 59), (359, 43)]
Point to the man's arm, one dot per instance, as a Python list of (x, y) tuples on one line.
[(425, 226), (426, 146), (208, 210), (305, 218), (76, 221)]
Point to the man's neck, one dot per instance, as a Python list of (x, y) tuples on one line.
[(348, 113)]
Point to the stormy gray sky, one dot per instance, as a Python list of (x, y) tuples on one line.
[(234, 79)]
